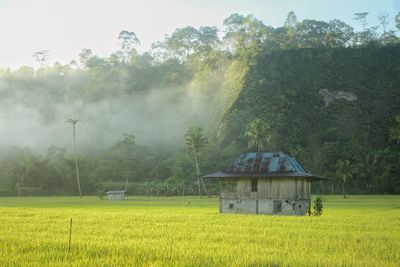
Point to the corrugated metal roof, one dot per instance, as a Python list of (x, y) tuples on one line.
[(264, 164), (257, 175)]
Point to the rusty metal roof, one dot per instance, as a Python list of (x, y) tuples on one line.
[(264, 164)]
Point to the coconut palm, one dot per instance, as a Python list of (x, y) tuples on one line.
[(259, 134), (367, 169), (343, 172), (73, 122), (195, 141), (395, 132)]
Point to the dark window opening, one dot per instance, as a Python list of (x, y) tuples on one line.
[(231, 205), (254, 184), (277, 206)]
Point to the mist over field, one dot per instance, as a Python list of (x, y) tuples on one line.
[(157, 116)]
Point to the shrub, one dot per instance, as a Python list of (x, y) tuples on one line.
[(318, 206)]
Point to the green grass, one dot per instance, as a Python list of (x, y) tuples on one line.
[(357, 231)]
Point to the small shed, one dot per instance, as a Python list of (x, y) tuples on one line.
[(265, 183), (116, 195)]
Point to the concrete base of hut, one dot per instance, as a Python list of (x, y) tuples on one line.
[(264, 206)]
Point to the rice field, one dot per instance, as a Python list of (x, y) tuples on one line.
[(34, 231)]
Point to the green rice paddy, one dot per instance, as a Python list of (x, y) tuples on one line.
[(142, 231)]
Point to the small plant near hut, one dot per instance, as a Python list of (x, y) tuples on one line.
[(318, 206)]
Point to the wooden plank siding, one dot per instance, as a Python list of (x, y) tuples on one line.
[(229, 188), (244, 186), (267, 188)]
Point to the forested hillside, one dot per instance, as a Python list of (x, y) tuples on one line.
[(330, 96), (324, 106)]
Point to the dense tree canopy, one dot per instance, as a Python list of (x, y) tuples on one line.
[(325, 93)]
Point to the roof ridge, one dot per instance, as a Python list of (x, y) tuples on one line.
[(289, 160)]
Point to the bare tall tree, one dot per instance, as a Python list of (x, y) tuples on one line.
[(384, 20), (127, 41), (42, 57), (73, 122), (362, 18)]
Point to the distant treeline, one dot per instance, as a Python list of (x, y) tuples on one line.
[(330, 94), (143, 170)]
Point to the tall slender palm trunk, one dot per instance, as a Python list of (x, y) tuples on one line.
[(199, 178), (76, 162), (197, 171), (343, 190)]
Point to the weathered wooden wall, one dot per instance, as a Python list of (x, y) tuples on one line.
[(292, 195), (292, 188)]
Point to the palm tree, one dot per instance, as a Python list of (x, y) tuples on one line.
[(73, 122), (367, 170), (195, 141), (395, 132), (343, 172), (259, 134)]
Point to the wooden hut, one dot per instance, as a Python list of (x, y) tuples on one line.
[(265, 183), (116, 195)]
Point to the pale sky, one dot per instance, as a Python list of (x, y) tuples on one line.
[(65, 27)]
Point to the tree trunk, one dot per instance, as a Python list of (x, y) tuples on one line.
[(199, 174), (343, 191), (197, 171), (76, 163), (204, 186), (183, 192)]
